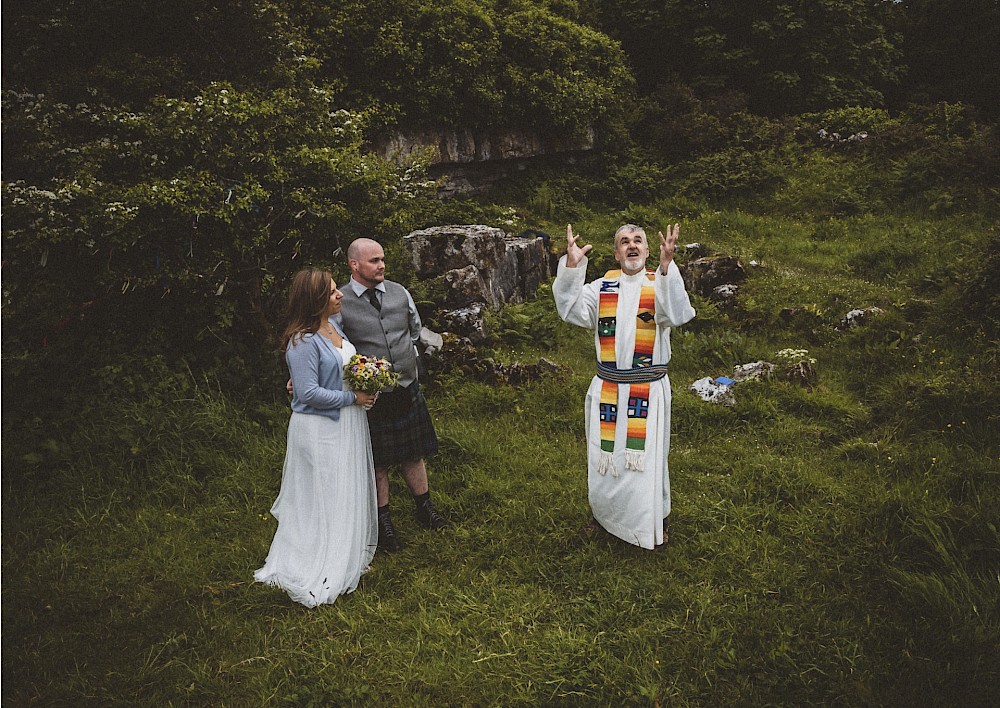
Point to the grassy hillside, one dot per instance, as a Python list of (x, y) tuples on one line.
[(832, 544)]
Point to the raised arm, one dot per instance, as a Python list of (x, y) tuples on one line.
[(575, 300), (668, 247), (574, 253), (673, 306)]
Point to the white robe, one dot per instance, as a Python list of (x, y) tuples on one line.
[(631, 505)]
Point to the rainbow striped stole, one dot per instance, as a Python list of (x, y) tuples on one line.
[(642, 356)]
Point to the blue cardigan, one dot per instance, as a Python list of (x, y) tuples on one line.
[(317, 371)]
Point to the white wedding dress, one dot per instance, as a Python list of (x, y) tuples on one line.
[(326, 509)]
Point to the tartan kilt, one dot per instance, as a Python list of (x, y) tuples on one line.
[(410, 437)]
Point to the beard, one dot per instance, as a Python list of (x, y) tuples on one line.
[(633, 263)]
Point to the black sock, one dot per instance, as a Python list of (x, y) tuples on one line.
[(383, 511), (419, 499)]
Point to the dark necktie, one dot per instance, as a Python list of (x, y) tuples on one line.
[(373, 299)]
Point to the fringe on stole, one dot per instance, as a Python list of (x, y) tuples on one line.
[(607, 464), (635, 461)]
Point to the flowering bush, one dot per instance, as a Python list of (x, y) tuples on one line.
[(799, 366), (173, 200), (370, 374), (795, 355)]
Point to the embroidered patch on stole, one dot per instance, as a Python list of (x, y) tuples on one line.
[(638, 393)]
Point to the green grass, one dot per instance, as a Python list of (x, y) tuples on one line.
[(829, 545)]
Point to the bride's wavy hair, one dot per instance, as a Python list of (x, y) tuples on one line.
[(308, 298)]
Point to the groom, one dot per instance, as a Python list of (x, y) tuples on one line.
[(380, 319)]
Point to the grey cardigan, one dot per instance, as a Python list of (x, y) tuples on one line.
[(317, 370)]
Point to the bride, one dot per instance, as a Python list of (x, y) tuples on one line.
[(326, 509)]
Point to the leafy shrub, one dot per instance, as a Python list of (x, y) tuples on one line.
[(394, 57), (730, 172), (531, 324), (197, 208), (945, 120), (847, 121), (556, 74), (825, 186), (635, 180), (464, 64), (981, 291), (128, 53), (558, 199), (672, 124), (781, 57), (945, 159)]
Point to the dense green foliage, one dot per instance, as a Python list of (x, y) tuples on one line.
[(949, 52), (167, 166), (774, 57), (469, 64), (203, 200), (177, 180)]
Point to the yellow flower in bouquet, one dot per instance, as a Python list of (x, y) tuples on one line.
[(369, 374)]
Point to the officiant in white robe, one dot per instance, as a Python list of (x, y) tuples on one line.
[(631, 312)]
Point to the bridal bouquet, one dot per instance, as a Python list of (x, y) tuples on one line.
[(370, 374)]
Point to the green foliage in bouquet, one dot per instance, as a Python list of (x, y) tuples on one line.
[(370, 374)]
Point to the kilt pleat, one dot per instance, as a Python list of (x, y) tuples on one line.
[(410, 437)]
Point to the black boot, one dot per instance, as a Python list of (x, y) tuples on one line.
[(427, 515), (387, 539)]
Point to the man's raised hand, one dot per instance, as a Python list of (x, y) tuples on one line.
[(668, 245), (574, 253)]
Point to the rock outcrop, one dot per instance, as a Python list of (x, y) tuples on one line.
[(465, 147), (704, 275), (479, 263), (464, 162), (858, 317), (477, 267)]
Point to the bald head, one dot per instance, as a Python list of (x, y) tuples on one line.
[(367, 261), (358, 246)]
